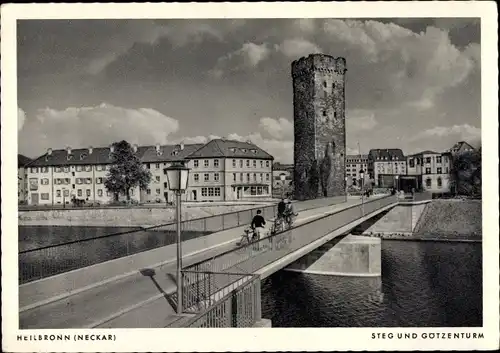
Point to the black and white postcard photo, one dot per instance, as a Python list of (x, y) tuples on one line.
[(309, 173)]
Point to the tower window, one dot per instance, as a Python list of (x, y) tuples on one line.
[(334, 114), (333, 86), (324, 112), (324, 84)]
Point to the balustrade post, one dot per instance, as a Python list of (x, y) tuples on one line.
[(258, 300)]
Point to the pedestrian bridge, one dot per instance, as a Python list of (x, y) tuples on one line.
[(220, 281), (225, 290)]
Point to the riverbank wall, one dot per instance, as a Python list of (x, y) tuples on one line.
[(125, 217), (436, 220)]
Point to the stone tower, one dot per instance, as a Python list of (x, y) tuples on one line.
[(319, 126)]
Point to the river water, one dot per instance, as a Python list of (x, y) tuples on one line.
[(428, 284)]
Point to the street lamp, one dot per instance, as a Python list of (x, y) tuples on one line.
[(177, 175), (397, 182), (362, 176), (345, 180), (64, 197), (283, 179)]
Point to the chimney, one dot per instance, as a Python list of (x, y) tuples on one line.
[(157, 148), (134, 148), (111, 148), (181, 146), (49, 151), (68, 149), (91, 149)]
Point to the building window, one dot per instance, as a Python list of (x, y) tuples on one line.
[(78, 168), (427, 159), (248, 163), (157, 178), (158, 191), (254, 177), (98, 180), (261, 164), (241, 163), (108, 193), (196, 178), (206, 177), (34, 170), (45, 181), (44, 195), (248, 177), (267, 176), (254, 163), (148, 191), (210, 192), (428, 182), (88, 181), (98, 168), (131, 192), (196, 163), (148, 166), (58, 193), (204, 192), (234, 163), (216, 163), (88, 192), (79, 192), (205, 163), (261, 177), (439, 183), (217, 191), (99, 192), (57, 169), (427, 170), (267, 163), (88, 168), (241, 176), (66, 193), (439, 170), (438, 159), (216, 177), (66, 169), (234, 176), (412, 163), (165, 185), (45, 170)]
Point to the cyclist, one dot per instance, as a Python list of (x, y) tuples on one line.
[(289, 212), (258, 223), (281, 208)]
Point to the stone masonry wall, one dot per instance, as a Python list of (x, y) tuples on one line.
[(319, 126)]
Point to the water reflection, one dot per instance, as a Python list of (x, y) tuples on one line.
[(422, 284)]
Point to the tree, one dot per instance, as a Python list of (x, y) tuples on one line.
[(126, 171), (465, 173), (325, 169)]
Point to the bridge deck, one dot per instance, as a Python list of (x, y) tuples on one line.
[(142, 296)]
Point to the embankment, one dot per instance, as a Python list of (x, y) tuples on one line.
[(122, 217), (440, 220)]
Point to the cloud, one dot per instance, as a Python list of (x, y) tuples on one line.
[(96, 126), (280, 128), (360, 119), (248, 56), (450, 134), (21, 118), (281, 150), (297, 47)]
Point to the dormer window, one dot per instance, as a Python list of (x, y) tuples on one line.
[(244, 150), (175, 153), (232, 149), (83, 156), (254, 151), (70, 157)]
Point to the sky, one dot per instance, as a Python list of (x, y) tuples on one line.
[(412, 84)]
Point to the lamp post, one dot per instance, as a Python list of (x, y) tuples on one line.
[(362, 176), (283, 179), (397, 182), (345, 180), (64, 197), (177, 175)]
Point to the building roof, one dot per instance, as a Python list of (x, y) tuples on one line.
[(230, 149), (277, 166), (457, 147), (22, 160), (149, 154), (357, 156), (394, 154), (169, 153), (424, 152)]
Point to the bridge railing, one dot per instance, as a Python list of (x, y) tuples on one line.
[(237, 305), (256, 255), (50, 260)]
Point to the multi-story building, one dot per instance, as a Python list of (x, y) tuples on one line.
[(60, 175), (385, 166), (460, 147), (22, 179), (431, 170), (229, 170), (354, 164)]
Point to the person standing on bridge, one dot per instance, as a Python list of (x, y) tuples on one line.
[(281, 209)]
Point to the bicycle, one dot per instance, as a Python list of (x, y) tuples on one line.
[(248, 236)]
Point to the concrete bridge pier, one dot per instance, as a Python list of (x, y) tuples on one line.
[(350, 255)]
